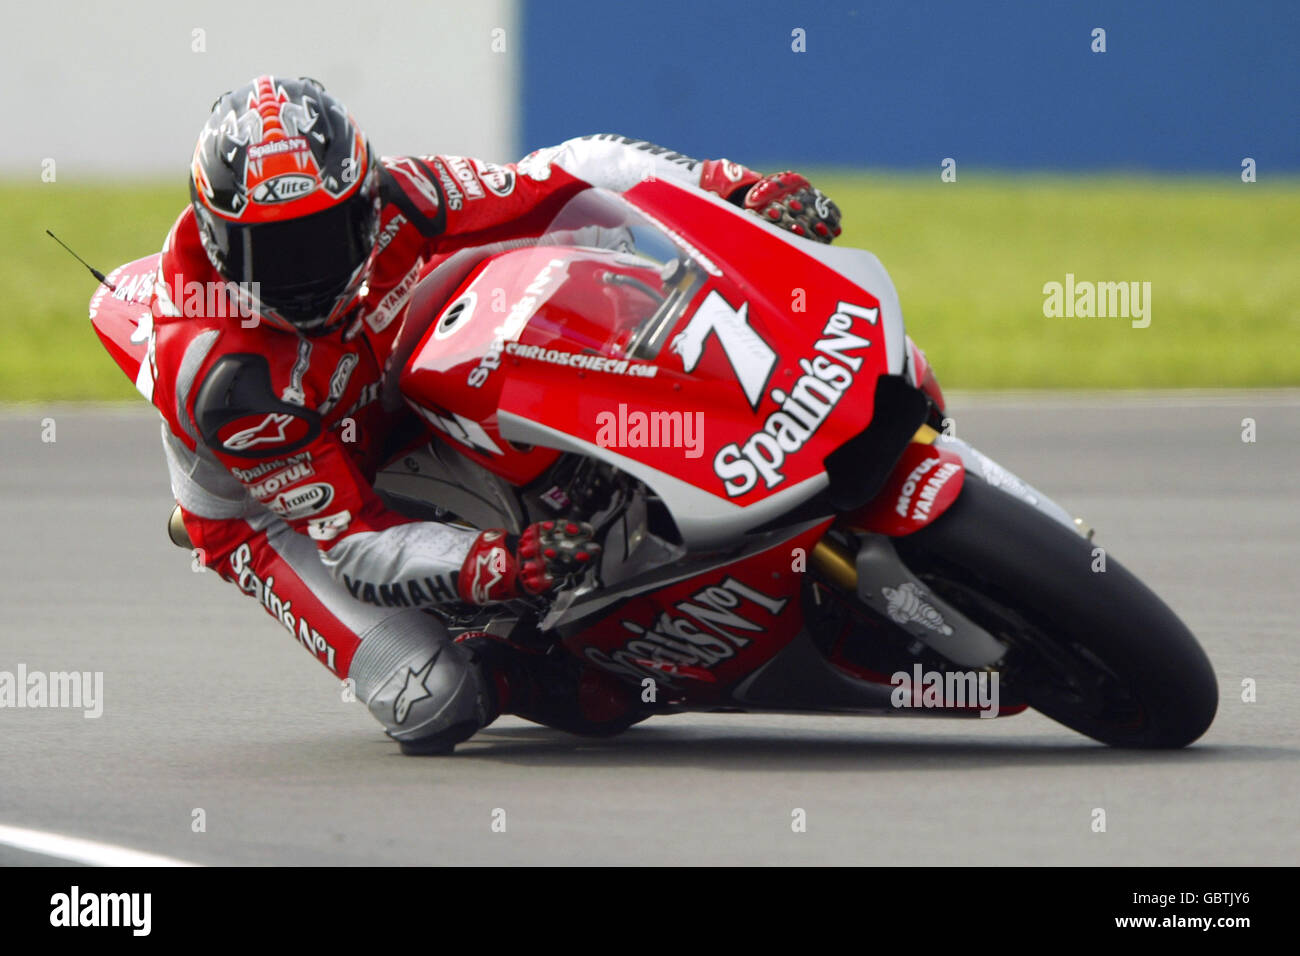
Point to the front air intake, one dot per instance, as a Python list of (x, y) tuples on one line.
[(858, 469)]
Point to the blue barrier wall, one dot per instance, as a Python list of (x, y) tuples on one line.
[(1194, 85)]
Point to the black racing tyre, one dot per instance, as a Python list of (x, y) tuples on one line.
[(1096, 651)]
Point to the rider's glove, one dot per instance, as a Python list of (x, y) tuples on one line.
[(791, 202), (545, 557)]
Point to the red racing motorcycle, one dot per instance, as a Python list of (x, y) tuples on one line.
[(785, 526)]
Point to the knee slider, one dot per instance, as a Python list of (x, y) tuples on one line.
[(416, 682)]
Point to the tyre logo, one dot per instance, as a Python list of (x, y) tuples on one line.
[(907, 605)]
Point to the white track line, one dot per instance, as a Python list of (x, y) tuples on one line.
[(81, 851)]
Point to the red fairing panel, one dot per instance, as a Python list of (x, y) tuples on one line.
[(924, 483), (770, 368), (779, 353), (454, 373), (698, 637), (123, 319), (923, 375)]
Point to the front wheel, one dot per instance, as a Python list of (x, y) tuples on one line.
[(1095, 650)]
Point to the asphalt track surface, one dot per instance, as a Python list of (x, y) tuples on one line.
[(209, 705)]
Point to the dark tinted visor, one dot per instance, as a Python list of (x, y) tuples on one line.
[(302, 265)]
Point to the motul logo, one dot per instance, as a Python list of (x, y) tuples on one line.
[(281, 479), (930, 487)]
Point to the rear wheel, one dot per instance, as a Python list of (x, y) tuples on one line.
[(1095, 650)]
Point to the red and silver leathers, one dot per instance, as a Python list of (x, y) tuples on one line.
[(256, 488)]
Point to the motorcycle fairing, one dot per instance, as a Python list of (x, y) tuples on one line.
[(698, 636), (123, 320), (776, 351)]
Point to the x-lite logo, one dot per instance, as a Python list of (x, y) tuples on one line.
[(284, 188)]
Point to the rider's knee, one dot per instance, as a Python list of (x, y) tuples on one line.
[(423, 688)]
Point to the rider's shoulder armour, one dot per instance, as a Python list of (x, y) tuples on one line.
[(237, 411), (410, 183)]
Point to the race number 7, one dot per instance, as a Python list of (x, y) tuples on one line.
[(751, 358)]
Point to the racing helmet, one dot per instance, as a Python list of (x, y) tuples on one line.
[(285, 191)]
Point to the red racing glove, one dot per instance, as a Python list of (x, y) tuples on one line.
[(791, 202), (545, 557)]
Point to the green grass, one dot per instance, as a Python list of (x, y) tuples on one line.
[(49, 350), (969, 259)]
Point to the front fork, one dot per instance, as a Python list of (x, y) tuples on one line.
[(880, 579)]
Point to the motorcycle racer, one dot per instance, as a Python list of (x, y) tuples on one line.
[(280, 410)]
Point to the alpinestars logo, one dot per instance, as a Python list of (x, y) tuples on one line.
[(490, 568), (270, 432), (415, 184), (414, 690), (802, 410)]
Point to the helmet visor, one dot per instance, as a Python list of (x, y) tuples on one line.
[(301, 267)]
